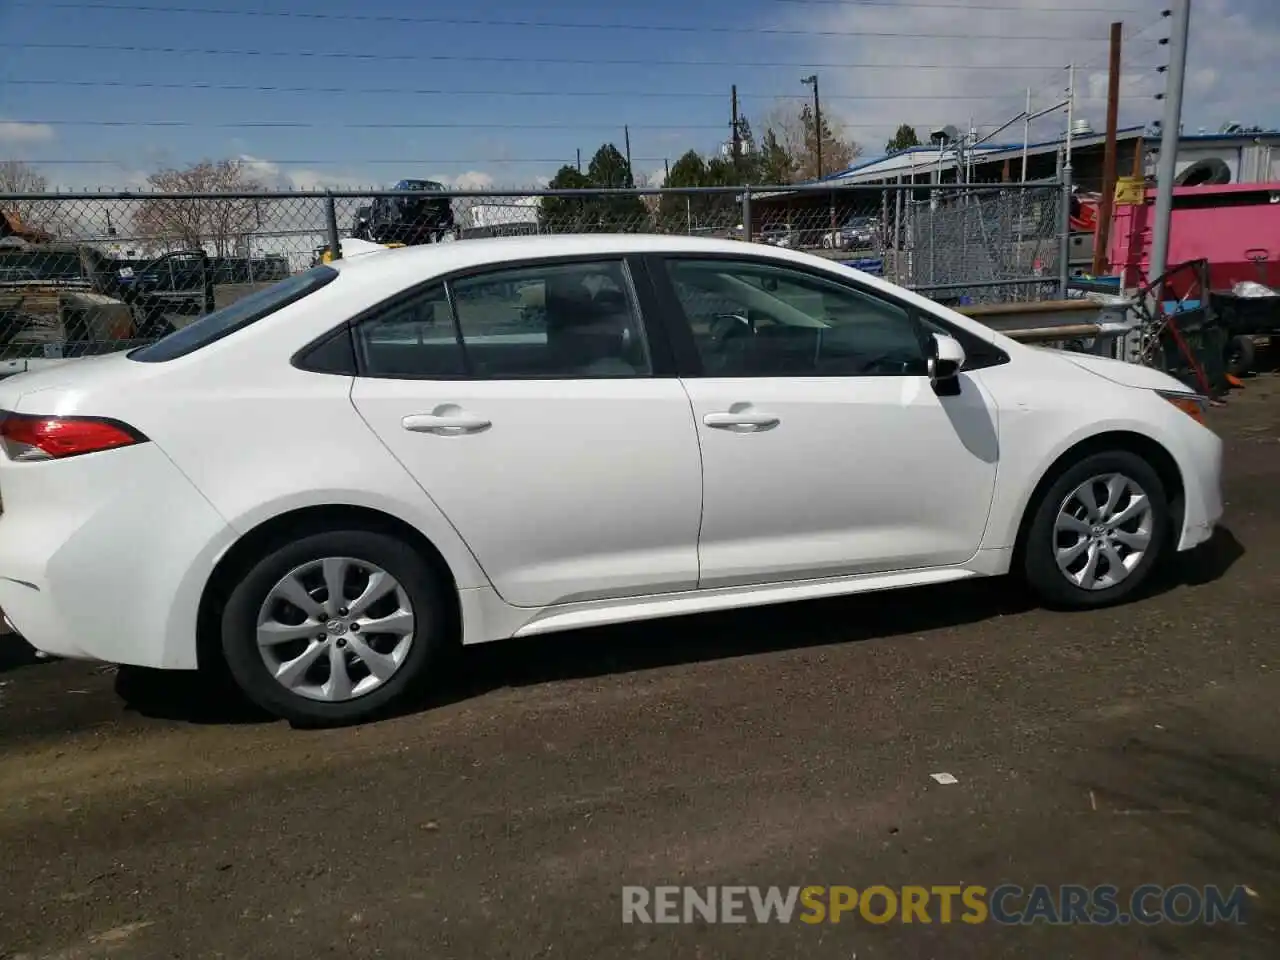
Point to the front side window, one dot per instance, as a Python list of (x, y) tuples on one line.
[(235, 316), (551, 320), (758, 320)]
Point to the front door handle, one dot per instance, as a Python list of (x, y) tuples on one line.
[(742, 422), (446, 424)]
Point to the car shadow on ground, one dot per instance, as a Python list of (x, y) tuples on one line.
[(788, 626), (16, 652), (477, 670)]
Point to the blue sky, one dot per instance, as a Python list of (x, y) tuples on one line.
[(669, 107)]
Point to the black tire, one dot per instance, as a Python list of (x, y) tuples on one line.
[(401, 561), (1242, 354), (1039, 563)]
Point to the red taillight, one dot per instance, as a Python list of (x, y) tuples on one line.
[(27, 437)]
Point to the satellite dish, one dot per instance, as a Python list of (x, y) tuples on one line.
[(1232, 127), (947, 134)]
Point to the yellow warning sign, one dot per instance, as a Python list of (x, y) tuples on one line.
[(1130, 191)]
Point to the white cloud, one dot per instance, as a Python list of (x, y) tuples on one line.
[(17, 132), (304, 179), (301, 178), (93, 178), (655, 178), (471, 180), (264, 170), (275, 177), (1242, 33)]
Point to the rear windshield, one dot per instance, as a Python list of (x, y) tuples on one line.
[(235, 316)]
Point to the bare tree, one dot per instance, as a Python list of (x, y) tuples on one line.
[(788, 131), (200, 223), (19, 177), (793, 130)]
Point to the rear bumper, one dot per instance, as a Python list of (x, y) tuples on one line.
[(105, 557)]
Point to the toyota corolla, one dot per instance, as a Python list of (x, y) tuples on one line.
[(326, 484)]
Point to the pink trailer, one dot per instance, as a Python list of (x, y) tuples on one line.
[(1236, 227)]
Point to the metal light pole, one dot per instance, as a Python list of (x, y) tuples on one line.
[(812, 81), (1170, 133), (1026, 135)]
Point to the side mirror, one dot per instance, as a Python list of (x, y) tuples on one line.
[(946, 358)]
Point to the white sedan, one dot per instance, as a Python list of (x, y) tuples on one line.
[(325, 485)]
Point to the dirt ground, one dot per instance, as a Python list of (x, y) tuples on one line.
[(146, 816)]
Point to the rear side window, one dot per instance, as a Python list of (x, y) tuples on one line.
[(235, 316), (413, 339)]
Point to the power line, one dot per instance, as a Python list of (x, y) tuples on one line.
[(253, 161), (1053, 77), (327, 125), (457, 58), (424, 91), (308, 125), (539, 24), (962, 7)]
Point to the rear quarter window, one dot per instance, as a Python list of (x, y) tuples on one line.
[(235, 316)]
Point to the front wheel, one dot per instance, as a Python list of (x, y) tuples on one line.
[(334, 627), (1097, 532)]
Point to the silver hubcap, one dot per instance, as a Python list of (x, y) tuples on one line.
[(335, 629), (1103, 531)]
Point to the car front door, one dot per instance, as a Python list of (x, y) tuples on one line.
[(546, 423), (826, 451)]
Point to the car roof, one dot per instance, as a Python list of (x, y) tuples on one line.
[(422, 261)]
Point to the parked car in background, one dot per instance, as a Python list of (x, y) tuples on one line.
[(385, 456), (72, 299), (426, 216), (780, 237), (858, 233)]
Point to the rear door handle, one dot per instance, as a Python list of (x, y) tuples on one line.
[(446, 425), (741, 422)]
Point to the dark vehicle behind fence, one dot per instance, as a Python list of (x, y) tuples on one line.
[(360, 223), (425, 218)]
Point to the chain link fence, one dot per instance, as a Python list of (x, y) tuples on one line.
[(83, 274), (985, 247)]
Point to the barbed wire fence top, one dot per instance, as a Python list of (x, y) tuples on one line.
[(90, 273)]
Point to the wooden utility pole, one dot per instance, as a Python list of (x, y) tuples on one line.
[(817, 125), (631, 180), (579, 159), (735, 131), (1106, 208), (812, 81)]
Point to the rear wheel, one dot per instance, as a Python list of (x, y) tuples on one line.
[(335, 627), (1097, 532)]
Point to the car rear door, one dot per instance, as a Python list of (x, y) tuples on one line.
[(544, 419)]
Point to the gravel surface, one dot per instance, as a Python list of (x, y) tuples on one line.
[(148, 816)]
